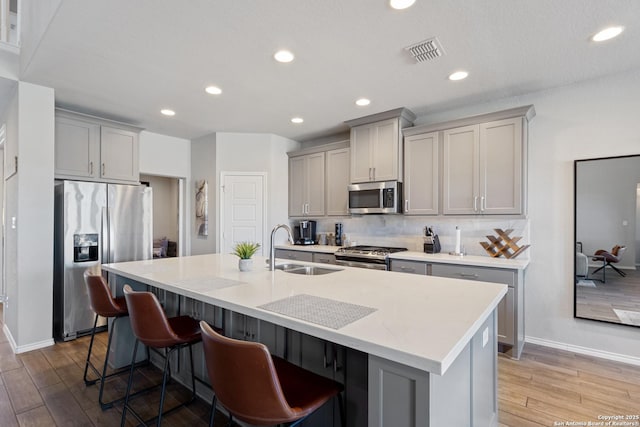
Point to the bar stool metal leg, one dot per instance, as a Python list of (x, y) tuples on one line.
[(127, 394), (88, 362), (102, 377), (166, 377)]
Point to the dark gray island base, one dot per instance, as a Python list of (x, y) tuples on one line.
[(384, 385)]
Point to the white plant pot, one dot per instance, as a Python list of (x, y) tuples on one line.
[(245, 264)]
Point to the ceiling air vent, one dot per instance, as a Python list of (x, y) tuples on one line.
[(426, 50)]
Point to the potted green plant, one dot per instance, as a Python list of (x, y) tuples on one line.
[(244, 251)]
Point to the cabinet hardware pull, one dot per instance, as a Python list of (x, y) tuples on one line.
[(103, 169), (374, 174), (90, 168), (482, 204), (336, 367), (303, 208), (407, 269), (475, 276), (324, 362), (370, 174), (475, 203), (406, 205)]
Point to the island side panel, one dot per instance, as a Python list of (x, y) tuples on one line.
[(466, 395), (484, 374)]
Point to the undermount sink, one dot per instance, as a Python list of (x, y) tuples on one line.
[(307, 270)]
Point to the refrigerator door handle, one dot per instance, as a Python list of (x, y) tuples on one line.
[(110, 231), (104, 226)]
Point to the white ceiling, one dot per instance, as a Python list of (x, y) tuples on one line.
[(128, 59)]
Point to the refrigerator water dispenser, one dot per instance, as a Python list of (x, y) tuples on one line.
[(85, 247)]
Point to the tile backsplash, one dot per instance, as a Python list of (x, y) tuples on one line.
[(408, 231)]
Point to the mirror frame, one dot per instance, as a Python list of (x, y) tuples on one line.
[(575, 236)]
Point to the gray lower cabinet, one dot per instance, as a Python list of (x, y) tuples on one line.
[(403, 396), (511, 308), (294, 255), (414, 267), (347, 366), (324, 258)]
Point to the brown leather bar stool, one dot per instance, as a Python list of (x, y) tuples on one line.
[(261, 389), (152, 328), (103, 304)]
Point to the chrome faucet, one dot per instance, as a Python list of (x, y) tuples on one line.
[(272, 251)]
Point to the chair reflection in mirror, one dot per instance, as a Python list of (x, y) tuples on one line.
[(608, 259)]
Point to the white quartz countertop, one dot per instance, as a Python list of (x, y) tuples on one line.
[(473, 260), (325, 249), (419, 321)]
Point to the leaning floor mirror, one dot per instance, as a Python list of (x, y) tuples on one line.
[(607, 239)]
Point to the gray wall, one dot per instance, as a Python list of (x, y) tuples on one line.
[(203, 166)]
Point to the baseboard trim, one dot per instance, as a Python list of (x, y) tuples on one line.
[(24, 348), (631, 360)]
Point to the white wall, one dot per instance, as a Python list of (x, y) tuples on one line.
[(250, 152), (29, 198), (164, 155), (167, 156), (165, 206), (241, 152), (35, 17), (10, 118), (593, 119)]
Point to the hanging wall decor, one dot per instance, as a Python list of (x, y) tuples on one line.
[(202, 206)]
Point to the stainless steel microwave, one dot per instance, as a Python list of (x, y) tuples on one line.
[(376, 198)]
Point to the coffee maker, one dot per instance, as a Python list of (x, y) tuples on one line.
[(307, 234)]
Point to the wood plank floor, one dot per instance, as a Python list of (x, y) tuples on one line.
[(546, 387), (618, 293)]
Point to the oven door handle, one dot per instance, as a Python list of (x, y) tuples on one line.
[(359, 264)]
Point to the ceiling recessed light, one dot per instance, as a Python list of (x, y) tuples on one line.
[(213, 90), (297, 120), (362, 102), (168, 112), (283, 56), (607, 34), (458, 75), (401, 4)]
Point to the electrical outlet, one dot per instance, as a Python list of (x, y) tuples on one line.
[(485, 337)]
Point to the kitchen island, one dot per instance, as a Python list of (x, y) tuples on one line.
[(430, 342)]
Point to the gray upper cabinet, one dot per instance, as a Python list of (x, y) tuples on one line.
[(421, 174), (119, 154), (482, 163), (501, 166), (306, 185), (93, 149), (460, 172), (337, 176), (483, 168), (376, 146), (375, 152)]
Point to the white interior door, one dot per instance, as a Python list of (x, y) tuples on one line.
[(243, 212)]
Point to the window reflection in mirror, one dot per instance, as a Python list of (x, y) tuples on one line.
[(607, 236)]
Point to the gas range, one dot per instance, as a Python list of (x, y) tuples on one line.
[(375, 257)]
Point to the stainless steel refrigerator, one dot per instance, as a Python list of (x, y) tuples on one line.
[(95, 223)]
